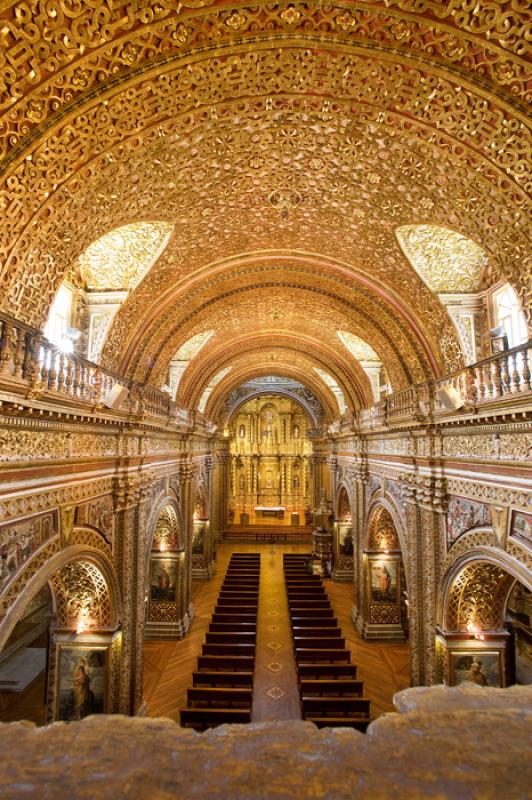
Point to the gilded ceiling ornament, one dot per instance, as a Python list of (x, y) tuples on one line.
[(121, 258), (360, 349), (445, 260), (192, 346)]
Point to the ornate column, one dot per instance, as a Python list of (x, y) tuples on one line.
[(361, 477), (129, 507), (425, 518)]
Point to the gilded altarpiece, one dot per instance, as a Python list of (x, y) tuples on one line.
[(270, 475)]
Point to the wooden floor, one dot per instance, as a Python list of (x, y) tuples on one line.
[(384, 668)]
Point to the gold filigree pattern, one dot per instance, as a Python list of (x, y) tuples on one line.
[(446, 261), (82, 597), (382, 535), (121, 258), (358, 348), (477, 598)]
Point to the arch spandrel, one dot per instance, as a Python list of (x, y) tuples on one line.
[(453, 178)]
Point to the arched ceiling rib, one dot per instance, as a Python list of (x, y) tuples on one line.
[(273, 291), (335, 128), (286, 364), (272, 346)]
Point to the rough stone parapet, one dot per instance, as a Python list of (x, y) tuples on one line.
[(467, 753)]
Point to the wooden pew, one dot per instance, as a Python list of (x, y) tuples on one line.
[(233, 627), (299, 603), (336, 706), (218, 678), (202, 718), (230, 607), (319, 642), (225, 663), (219, 649), (225, 696), (234, 601), (234, 637), (331, 686), (222, 618), (310, 655), (305, 595), (314, 622), (327, 671), (315, 613), (315, 632)]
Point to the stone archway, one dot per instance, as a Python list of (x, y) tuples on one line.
[(384, 615), (167, 615), (78, 630), (202, 545), (473, 635), (343, 537)]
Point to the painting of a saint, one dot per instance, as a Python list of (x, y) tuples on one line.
[(82, 682), (482, 669), (163, 580), (384, 582)]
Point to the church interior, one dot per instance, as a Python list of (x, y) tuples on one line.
[(265, 398)]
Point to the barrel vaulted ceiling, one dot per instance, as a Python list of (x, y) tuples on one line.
[(285, 144)]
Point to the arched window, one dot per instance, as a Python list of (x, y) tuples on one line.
[(508, 315), (58, 325)]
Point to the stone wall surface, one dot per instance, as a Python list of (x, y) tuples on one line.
[(441, 754)]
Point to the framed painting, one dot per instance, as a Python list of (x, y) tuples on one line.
[(522, 526), (384, 581), (163, 580), (82, 681), (482, 668)]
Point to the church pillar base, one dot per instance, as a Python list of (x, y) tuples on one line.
[(392, 632), (340, 575), (156, 631)]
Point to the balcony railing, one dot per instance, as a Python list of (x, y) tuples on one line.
[(503, 376), (29, 362), (38, 368)]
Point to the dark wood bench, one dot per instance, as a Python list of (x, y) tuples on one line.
[(309, 655), (243, 609), (319, 642), (220, 649), (299, 603), (322, 613), (226, 663), (218, 678), (234, 637), (315, 632), (219, 695), (202, 718), (322, 671), (332, 687), (314, 622), (246, 619), (305, 595), (233, 627), (336, 706), (247, 607)]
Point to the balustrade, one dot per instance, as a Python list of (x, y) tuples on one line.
[(29, 360)]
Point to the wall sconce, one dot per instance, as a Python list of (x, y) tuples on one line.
[(84, 620), (475, 630)]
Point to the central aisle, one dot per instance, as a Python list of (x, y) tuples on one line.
[(275, 689)]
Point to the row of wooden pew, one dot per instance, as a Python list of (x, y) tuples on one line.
[(222, 687), (330, 693)]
